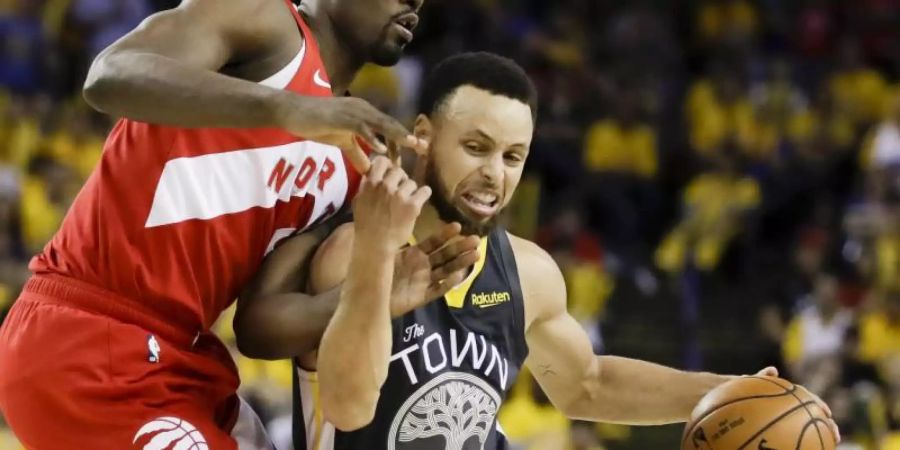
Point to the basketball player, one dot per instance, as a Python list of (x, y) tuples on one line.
[(108, 346), (434, 377)]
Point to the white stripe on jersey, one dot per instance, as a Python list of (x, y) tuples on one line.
[(209, 186)]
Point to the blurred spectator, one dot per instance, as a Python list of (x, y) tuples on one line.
[(857, 88), (727, 21), (379, 85), (47, 190), (717, 108), (881, 151), (530, 422), (76, 144), (106, 21), (879, 339), (22, 48), (21, 131), (822, 130), (814, 341), (621, 161), (716, 206), (580, 257), (816, 26)]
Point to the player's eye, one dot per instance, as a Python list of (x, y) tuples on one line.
[(473, 146), (513, 157)]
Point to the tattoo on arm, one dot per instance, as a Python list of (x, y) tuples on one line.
[(546, 369)]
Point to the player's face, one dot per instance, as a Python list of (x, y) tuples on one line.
[(479, 145), (379, 29)]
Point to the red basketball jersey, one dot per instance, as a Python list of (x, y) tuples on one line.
[(178, 220)]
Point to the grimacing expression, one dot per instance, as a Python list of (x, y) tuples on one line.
[(377, 29), (479, 143)]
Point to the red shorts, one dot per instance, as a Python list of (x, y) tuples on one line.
[(73, 377)]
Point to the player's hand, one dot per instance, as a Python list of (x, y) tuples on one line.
[(428, 270), (342, 121), (387, 206), (773, 372)]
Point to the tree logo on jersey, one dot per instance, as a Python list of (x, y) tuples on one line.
[(169, 433), (454, 411)]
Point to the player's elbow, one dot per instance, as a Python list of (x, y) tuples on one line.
[(348, 411), (96, 89), (251, 338), (101, 88), (251, 346)]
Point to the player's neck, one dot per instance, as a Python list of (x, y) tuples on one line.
[(336, 55)]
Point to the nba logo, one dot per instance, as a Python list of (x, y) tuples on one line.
[(153, 349)]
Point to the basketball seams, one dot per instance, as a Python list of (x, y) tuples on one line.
[(791, 391), (814, 423), (731, 402), (774, 422)]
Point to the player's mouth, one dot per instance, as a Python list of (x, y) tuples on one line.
[(483, 204), (405, 24)]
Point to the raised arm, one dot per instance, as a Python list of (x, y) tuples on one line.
[(590, 387), (356, 348), (167, 71)]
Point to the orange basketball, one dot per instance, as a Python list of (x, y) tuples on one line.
[(758, 413)]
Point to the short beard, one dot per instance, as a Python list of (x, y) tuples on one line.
[(386, 55), (448, 213)]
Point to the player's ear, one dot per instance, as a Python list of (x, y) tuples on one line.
[(423, 129)]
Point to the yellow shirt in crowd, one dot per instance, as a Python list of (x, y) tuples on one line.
[(711, 121), (860, 93), (40, 216), (611, 148), (879, 339), (718, 19)]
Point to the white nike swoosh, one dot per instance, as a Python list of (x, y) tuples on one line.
[(317, 78)]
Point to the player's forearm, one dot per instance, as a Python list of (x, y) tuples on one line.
[(157, 89), (285, 325), (356, 348), (634, 392)]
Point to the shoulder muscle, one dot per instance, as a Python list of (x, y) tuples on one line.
[(543, 286)]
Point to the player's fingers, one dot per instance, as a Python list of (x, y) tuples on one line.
[(439, 288), (420, 196), (440, 238), (768, 372), (835, 430), (393, 177), (407, 187), (821, 403), (377, 171), (460, 263), (367, 134), (825, 408), (452, 250), (391, 128), (358, 158)]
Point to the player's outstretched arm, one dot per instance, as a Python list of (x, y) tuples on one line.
[(590, 387), (356, 347), (166, 71)]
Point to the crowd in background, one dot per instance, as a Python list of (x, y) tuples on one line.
[(718, 179)]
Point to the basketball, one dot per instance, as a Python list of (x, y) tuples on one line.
[(758, 413)]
